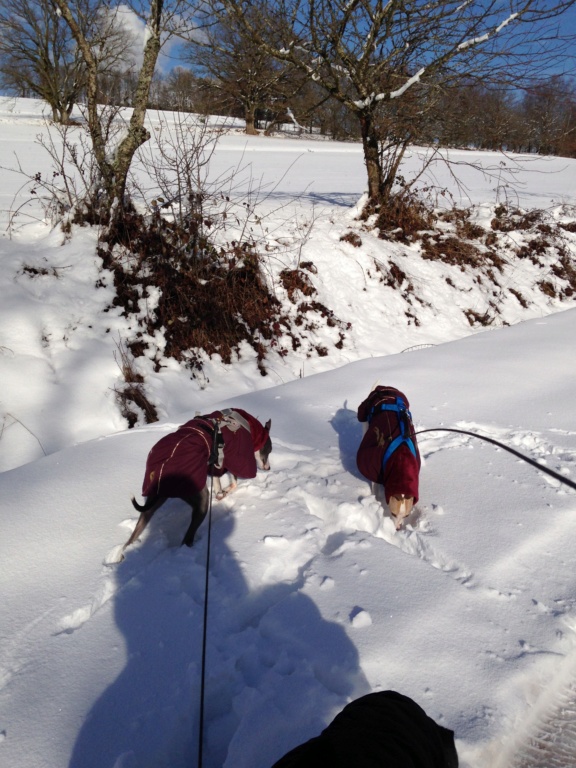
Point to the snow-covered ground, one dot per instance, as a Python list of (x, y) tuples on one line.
[(314, 599)]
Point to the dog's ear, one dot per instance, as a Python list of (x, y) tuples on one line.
[(268, 425)]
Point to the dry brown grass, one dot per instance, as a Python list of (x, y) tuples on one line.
[(210, 300), (351, 237), (402, 218)]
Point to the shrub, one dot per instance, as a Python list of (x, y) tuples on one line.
[(208, 299)]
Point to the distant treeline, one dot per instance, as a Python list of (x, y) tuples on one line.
[(540, 120)]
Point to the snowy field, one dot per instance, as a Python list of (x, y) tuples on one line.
[(314, 598)]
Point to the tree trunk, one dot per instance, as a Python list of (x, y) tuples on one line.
[(61, 115), (371, 156), (250, 118), (389, 168)]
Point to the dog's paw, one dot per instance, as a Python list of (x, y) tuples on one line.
[(400, 522), (222, 493)]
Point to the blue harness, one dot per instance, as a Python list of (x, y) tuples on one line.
[(404, 422)]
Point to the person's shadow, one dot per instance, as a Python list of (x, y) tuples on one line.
[(275, 670)]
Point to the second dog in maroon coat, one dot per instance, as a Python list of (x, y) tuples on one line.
[(388, 454), (178, 465), (261, 445)]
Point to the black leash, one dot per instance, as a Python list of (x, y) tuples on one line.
[(527, 459), (211, 461)]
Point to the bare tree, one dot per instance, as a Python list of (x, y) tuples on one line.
[(457, 116), (114, 165), (472, 114), (182, 90), (549, 112), (114, 153), (39, 56), (371, 54), (246, 77), (117, 87)]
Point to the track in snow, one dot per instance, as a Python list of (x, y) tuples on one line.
[(547, 736)]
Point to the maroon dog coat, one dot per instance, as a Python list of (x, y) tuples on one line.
[(235, 446), (257, 430), (177, 466), (395, 465)]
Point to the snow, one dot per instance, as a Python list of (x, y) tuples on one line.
[(314, 598), (487, 35)]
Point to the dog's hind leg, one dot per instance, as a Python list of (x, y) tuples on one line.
[(199, 504), (146, 510), (232, 486)]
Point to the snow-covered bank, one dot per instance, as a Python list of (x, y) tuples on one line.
[(314, 599)]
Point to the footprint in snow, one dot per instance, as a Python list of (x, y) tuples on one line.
[(73, 621), (413, 542), (359, 618), (320, 582)]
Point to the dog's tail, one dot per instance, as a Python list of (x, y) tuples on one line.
[(143, 507)]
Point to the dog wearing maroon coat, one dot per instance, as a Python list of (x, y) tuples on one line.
[(388, 455), (178, 465), (261, 445)]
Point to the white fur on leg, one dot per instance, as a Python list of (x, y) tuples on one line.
[(220, 492)]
